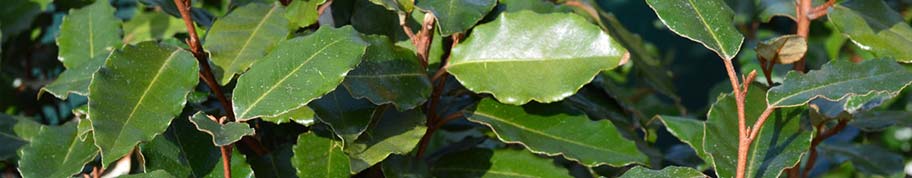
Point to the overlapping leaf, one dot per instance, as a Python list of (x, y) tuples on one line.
[(137, 93), (153, 174), (875, 27), (389, 74), (86, 38), (303, 13), (667, 172), (479, 162), (400, 6), (393, 133), (244, 36), (221, 134), (868, 159), (784, 49), (556, 130), (709, 22), (184, 151), (526, 56), (841, 79), (56, 151), (456, 16), (15, 133), (875, 121), (346, 116), (303, 115), (275, 164), (297, 71), (147, 26), (689, 131), (316, 156)]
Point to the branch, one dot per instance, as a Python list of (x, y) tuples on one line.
[(759, 123), (812, 156), (821, 10), (804, 27)]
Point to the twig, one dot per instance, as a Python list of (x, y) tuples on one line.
[(821, 10), (812, 156), (324, 7), (804, 27)]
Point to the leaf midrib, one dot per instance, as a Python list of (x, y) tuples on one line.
[(709, 29), (144, 94), (541, 133), (252, 35), (787, 97), (456, 169)]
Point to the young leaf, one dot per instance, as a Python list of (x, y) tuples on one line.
[(478, 162), (393, 133), (689, 131), (780, 144), (840, 79), (389, 74), (137, 93), (244, 36), (303, 13), (303, 115), (86, 38), (316, 156), (296, 72), (874, 27), (56, 151), (153, 174), (346, 116), (709, 22), (784, 49), (667, 172), (456, 16), (526, 56), (221, 134), (556, 130)]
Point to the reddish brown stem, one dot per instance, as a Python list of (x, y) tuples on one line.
[(804, 23), (821, 10), (226, 159), (324, 7), (821, 136)]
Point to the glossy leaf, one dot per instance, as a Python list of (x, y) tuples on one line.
[(526, 56), (780, 144), (222, 134), (784, 49), (486, 163), (557, 130), (56, 151), (393, 133), (840, 79), (244, 37), (689, 131), (346, 116), (137, 93), (153, 174), (457, 16), (874, 26), (297, 71), (400, 6), (303, 13), (667, 172), (868, 159), (316, 156), (147, 26), (389, 74), (86, 38), (303, 115), (709, 22)]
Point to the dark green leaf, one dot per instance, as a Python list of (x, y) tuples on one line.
[(153, 174), (316, 156), (841, 79), (457, 16), (303, 13), (398, 166), (667, 172), (184, 151), (86, 38), (222, 134), (868, 159), (400, 6), (75, 79), (56, 151), (275, 164), (137, 93), (393, 133), (244, 36), (297, 71), (348, 117), (880, 120), (389, 74), (689, 131), (709, 22), (780, 144), (479, 162), (526, 56), (649, 66), (557, 130), (303, 115), (15, 132), (874, 27)]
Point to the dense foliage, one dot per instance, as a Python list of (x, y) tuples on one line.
[(455, 88)]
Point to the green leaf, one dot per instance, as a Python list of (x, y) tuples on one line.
[(652, 70), (389, 74), (86, 38), (557, 130), (868, 159), (137, 93), (771, 8), (877, 121), (526, 56), (184, 151), (56, 151), (874, 27), (784, 49), (393, 133), (17, 16), (297, 71), (244, 37), (15, 132), (709, 22), (346, 116), (780, 144), (303, 115), (398, 166), (689, 131), (153, 174), (840, 79), (486, 163), (316, 156), (303, 13), (667, 172), (275, 164), (457, 16), (221, 134), (147, 26), (400, 6)]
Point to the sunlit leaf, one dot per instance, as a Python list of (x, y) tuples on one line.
[(56, 151), (303, 13), (456, 16), (244, 37), (316, 156), (86, 38), (874, 27), (709, 22), (841, 79), (303, 115), (667, 172)]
